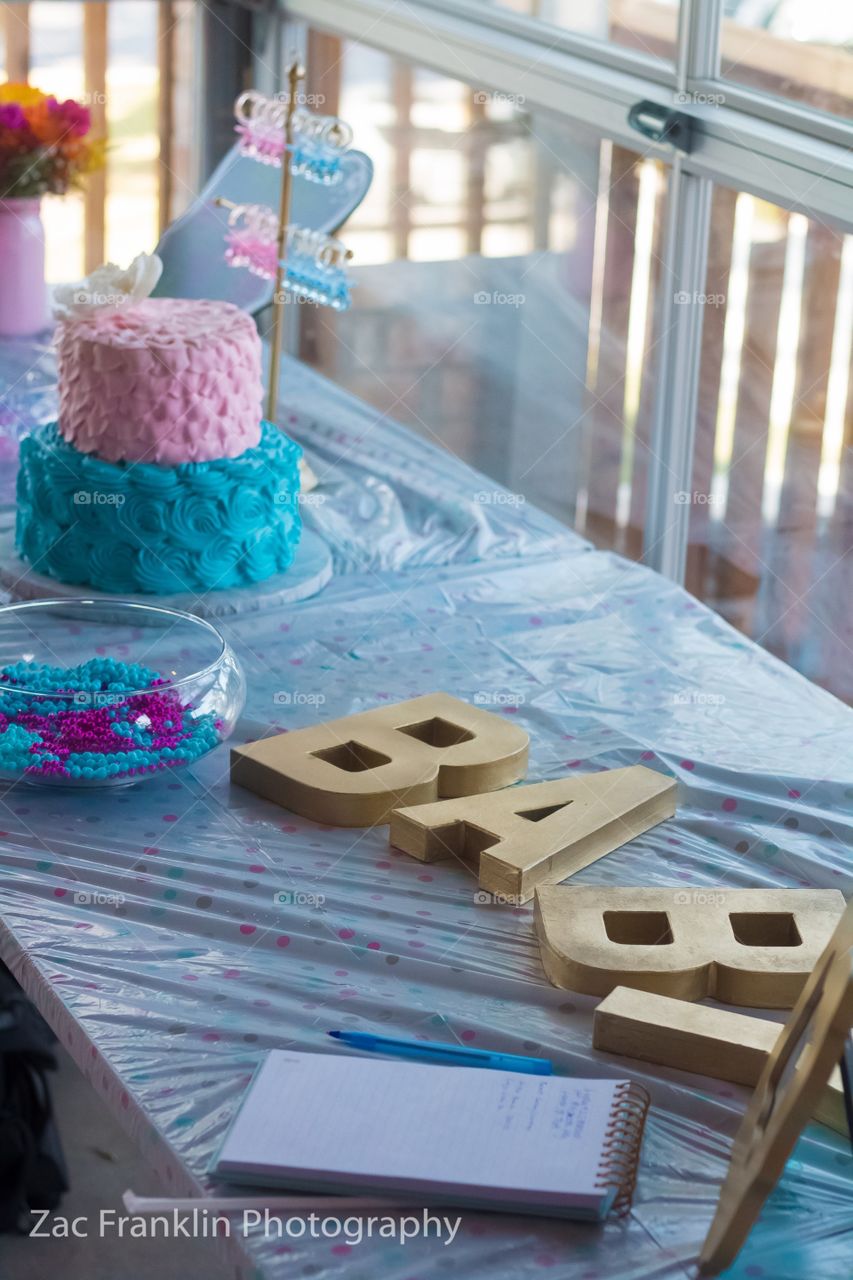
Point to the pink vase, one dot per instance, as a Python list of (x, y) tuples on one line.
[(23, 293)]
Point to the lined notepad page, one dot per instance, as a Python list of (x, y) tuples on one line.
[(323, 1122)]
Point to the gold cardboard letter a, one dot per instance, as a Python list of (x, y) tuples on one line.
[(540, 832)]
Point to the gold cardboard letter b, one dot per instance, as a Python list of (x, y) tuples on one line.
[(352, 772), (752, 947)]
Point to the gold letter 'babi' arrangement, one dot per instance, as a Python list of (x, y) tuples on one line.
[(441, 774)]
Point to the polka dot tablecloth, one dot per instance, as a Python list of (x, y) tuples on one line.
[(174, 932)]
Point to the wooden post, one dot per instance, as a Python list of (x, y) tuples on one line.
[(17, 28), (95, 18), (165, 109), (638, 442), (400, 218), (699, 553), (738, 561), (294, 75), (604, 429), (475, 193), (317, 339), (324, 57), (792, 556)]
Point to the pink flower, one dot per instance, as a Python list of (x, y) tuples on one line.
[(12, 116), (75, 118)]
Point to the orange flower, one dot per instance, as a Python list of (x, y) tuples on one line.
[(47, 125)]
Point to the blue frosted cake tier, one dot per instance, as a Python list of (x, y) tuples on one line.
[(131, 527)]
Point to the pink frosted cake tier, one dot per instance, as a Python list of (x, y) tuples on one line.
[(167, 380)]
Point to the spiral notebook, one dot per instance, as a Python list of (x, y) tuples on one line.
[(479, 1138)]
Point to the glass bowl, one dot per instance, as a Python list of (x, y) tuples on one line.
[(97, 693)]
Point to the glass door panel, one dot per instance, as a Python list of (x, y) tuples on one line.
[(506, 271), (771, 521), (796, 49), (649, 27)]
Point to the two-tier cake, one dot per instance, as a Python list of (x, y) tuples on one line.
[(160, 475)]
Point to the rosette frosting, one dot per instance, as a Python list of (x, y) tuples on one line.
[(139, 527)]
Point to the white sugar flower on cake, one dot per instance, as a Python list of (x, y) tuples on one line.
[(108, 286)]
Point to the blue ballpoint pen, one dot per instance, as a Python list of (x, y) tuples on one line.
[(432, 1051)]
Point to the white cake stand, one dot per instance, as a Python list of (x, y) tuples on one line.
[(309, 573)]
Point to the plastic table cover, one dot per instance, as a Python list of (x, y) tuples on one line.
[(175, 931)]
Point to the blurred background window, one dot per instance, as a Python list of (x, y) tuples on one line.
[(508, 270)]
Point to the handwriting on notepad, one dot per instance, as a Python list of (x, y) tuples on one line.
[(520, 1103), (571, 1113)]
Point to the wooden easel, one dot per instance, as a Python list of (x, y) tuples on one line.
[(785, 1098)]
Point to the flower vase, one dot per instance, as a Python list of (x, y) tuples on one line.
[(23, 292)]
